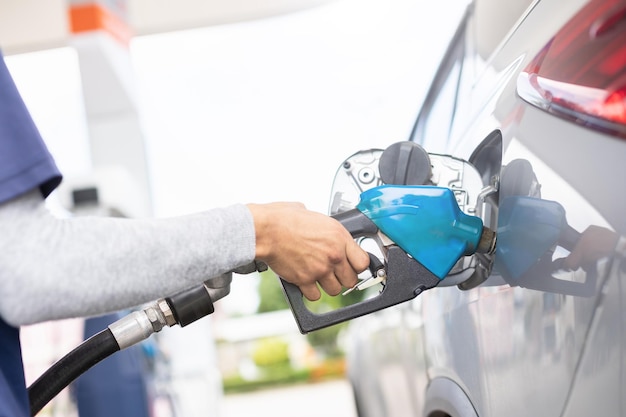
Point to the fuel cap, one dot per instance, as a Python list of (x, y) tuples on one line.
[(405, 163)]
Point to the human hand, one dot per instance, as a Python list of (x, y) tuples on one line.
[(595, 243), (305, 248)]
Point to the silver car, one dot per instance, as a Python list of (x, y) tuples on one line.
[(530, 100)]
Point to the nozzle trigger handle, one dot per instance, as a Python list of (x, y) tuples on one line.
[(406, 278), (357, 223)]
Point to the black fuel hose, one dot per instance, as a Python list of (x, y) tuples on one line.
[(70, 367), (186, 307)]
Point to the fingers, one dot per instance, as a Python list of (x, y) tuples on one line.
[(311, 292), (344, 276), (346, 272), (331, 284), (358, 258), (572, 261), (308, 249)]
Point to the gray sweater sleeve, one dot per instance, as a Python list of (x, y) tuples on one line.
[(53, 268)]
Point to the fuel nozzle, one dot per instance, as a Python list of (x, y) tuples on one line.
[(487, 241), (427, 223), (424, 234)]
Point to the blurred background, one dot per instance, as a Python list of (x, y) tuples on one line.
[(169, 108)]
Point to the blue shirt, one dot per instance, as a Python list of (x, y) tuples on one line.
[(25, 164)]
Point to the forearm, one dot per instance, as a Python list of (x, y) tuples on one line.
[(55, 268)]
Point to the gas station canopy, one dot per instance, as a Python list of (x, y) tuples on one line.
[(29, 25)]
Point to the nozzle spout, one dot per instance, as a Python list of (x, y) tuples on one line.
[(487, 242)]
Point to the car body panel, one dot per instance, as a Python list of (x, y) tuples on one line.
[(544, 342)]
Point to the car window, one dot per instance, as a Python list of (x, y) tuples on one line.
[(433, 124)]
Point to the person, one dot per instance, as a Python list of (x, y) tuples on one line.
[(54, 268), (595, 243)]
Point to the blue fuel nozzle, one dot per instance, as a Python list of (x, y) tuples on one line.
[(425, 221), (430, 234)]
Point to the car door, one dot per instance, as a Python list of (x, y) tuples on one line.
[(533, 339)]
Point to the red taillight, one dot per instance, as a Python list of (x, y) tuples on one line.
[(581, 73)]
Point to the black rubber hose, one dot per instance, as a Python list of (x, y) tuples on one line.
[(70, 367)]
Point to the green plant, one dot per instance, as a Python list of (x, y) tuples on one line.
[(271, 351), (270, 293)]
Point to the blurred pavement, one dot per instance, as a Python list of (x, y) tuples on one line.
[(328, 399)]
